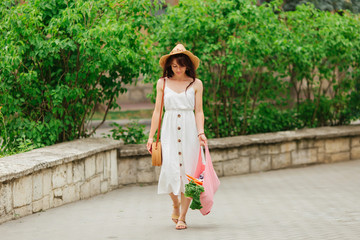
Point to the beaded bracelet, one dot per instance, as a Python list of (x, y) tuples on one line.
[(200, 134)]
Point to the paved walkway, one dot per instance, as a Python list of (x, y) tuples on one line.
[(317, 202)]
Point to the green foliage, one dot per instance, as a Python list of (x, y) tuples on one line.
[(257, 60), (325, 5), (59, 59), (132, 133), (193, 191), (268, 118), (21, 144)]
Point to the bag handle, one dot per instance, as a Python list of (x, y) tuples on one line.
[(161, 109)]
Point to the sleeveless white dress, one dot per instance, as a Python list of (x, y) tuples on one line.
[(179, 141)]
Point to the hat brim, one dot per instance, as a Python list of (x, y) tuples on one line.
[(194, 59)]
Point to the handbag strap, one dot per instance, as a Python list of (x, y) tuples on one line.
[(161, 109)]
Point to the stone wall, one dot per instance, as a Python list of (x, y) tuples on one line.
[(52, 176), (255, 153)]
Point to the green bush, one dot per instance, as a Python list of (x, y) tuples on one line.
[(132, 133), (305, 63), (59, 59), (21, 143)]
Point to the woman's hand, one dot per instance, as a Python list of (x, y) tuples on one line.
[(202, 139), (149, 145)]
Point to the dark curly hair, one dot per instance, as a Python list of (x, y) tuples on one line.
[(184, 61)]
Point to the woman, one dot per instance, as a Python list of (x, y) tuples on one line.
[(182, 131)]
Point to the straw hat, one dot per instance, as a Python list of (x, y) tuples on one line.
[(177, 50)]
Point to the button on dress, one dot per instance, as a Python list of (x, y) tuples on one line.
[(179, 142)]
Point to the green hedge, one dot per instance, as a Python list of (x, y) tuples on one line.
[(254, 60), (58, 59)]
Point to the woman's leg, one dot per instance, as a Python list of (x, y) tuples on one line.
[(176, 210), (185, 203)]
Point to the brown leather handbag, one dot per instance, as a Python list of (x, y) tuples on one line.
[(156, 155)]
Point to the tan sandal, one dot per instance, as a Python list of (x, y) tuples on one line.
[(175, 217), (181, 225)]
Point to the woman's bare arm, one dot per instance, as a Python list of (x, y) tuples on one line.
[(199, 113), (156, 113)]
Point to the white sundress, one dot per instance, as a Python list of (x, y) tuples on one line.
[(179, 142)]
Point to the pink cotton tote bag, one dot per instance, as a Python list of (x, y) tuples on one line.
[(210, 183)]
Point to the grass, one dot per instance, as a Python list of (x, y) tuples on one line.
[(133, 114)]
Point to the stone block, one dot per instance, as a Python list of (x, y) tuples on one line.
[(304, 156), (274, 149), (144, 164), (37, 206), (305, 144), (338, 157), (218, 167), (355, 153), (37, 186), (57, 202), (51, 200), (218, 155), (90, 167), (236, 166), (6, 218), (69, 194), (336, 145), (261, 163), (287, 147), (248, 150), (107, 165), (46, 202), (100, 162), (320, 145), (127, 170), (157, 173), (145, 177), (281, 160), (47, 186), (264, 149), (321, 157), (58, 193), (85, 190), (5, 199), (104, 187), (22, 191), (57, 199), (79, 172), (232, 153), (355, 142), (23, 211), (69, 173), (95, 186), (59, 176), (113, 169)]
